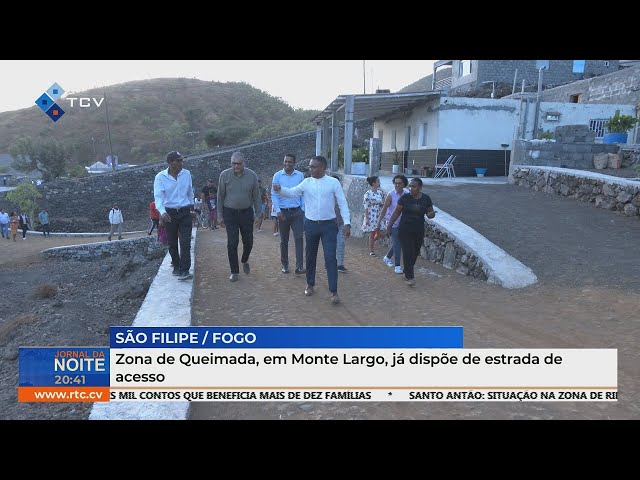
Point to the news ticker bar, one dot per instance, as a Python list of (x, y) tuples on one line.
[(104, 394), (364, 395)]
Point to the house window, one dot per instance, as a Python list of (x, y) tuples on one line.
[(542, 64), (606, 63), (465, 68), (393, 140), (423, 135), (578, 66), (575, 98)]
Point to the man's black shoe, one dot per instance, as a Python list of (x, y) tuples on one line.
[(342, 268), (245, 268), (285, 270), (300, 271), (185, 276), (176, 271)]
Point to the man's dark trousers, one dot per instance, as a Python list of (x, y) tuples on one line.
[(180, 222), (314, 232), (294, 218), (238, 223)]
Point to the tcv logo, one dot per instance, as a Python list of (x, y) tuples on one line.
[(48, 102)]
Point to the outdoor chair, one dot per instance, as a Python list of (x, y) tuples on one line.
[(446, 167)]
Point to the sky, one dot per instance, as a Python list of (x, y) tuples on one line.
[(308, 84)]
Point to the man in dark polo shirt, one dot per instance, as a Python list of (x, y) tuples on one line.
[(173, 193), (239, 200)]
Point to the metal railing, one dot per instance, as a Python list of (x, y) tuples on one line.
[(599, 127)]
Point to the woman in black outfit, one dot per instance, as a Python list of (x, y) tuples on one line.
[(413, 206)]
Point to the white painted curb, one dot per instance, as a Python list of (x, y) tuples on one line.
[(167, 304)]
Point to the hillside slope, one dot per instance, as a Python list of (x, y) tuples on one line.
[(147, 118)]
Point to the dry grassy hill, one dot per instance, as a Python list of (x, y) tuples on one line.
[(147, 118)]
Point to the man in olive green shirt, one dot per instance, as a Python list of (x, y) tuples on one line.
[(239, 199)]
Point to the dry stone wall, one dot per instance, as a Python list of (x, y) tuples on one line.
[(616, 194)]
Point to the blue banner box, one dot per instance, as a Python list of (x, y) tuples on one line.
[(286, 337), (63, 366)]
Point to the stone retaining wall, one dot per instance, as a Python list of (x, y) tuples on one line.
[(603, 191), (440, 247), (145, 247), (569, 154)]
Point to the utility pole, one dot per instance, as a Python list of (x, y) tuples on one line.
[(364, 78), (193, 136), (106, 108)]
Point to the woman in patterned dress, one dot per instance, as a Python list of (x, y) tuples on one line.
[(373, 201), (14, 222)]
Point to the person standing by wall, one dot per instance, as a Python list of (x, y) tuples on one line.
[(4, 223), (413, 206), (43, 216), (400, 183), (197, 210), (209, 194), (320, 193), (239, 199), (173, 194), (25, 225), (264, 202), (115, 220), (289, 213), (154, 216)]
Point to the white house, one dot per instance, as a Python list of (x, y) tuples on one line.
[(422, 129)]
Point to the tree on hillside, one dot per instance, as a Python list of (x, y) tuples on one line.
[(213, 139), (24, 196), (47, 156)]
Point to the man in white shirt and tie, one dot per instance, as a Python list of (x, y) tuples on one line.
[(320, 193), (173, 193)]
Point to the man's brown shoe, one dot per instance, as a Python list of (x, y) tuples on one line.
[(308, 291)]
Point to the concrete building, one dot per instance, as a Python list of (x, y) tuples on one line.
[(470, 75)]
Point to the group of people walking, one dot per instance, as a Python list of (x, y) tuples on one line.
[(10, 223), (400, 215), (312, 210)]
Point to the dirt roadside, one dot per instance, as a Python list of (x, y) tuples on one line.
[(61, 303)]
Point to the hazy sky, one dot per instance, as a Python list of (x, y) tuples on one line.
[(309, 84)]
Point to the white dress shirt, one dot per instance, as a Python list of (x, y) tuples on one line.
[(170, 192), (320, 197)]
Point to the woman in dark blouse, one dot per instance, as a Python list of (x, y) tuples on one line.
[(413, 206)]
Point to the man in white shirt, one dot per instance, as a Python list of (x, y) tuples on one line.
[(116, 220), (173, 193), (320, 193), (4, 223), (290, 213)]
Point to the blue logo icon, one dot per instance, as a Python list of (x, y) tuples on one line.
[(47, 102)]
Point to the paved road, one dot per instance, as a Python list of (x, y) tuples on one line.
[(564, 242), (558, 312)]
